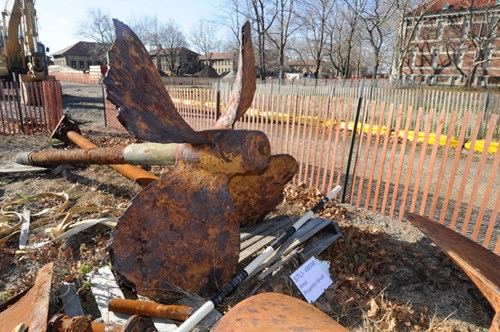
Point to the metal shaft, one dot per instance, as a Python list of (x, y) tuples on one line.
[(151, 309), (134, 173)]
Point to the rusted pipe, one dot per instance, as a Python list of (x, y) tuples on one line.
[(134, 173), (151, 309), (135, 154)]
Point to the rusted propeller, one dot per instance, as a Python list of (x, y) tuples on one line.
[(183, 229)]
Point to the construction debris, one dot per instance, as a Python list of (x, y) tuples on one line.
[(32, 309)]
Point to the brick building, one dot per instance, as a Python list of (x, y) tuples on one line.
[(179, 60), (453, 41), (223, 63), (82, 55)]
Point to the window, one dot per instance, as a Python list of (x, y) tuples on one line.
[(82, 64), (439, 29), (73, 64), (435, 58), (411, 60), (459, 56), (416, 31), (486, 56), (465, 27)]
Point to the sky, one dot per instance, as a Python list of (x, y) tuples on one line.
[(58, 19)]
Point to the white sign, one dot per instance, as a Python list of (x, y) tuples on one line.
[(311, 279)]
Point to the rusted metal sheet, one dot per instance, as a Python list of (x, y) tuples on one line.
[(62, 323), (134, 85), (276, 312), (242, 95), (33, 308), (254, 196), (183, 230), (150, 309)]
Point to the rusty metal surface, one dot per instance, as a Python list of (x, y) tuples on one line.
[(139, 324), (31, 309), (150, 309), (135, 86), (276, 312), (63, 323), (244, 88), (99, 156), (183, 231), (254, 196), (136, 174), (64, 126)]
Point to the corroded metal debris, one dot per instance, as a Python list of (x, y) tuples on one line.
[(276, 312), (32, 309), (183, 230)]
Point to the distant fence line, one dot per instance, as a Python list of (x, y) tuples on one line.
[(29, 107), (404, 157)]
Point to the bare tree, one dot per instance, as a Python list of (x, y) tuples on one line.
[(203, 39), (483, 25), (232, 15), (282, 30), (314, 16), (344, 37), (407, 32), (264, 13), (171, 38), (97, 26), (146, 28), (375, 17)]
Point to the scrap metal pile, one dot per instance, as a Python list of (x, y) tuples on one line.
[(182, 231)]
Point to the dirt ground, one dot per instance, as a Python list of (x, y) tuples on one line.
[(387, 275)]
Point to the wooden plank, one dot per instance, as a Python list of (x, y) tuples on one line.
[(367, 153), (428, 128), (465, 174), (487, 193), (444, 159), (336, 144), (329, 143), (477, 180), (384, 155), (454, 167), (401, 159), (321, 166), (253, 246), (395, 140), (411, 162), (344, 141), (309, 139), (253, 234), (318, 125), (303, 134), (375, 155), (430, 166)]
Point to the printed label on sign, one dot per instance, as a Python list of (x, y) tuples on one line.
[(311, 279)]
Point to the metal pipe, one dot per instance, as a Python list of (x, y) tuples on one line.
[(241, 276), (134, 173), (151, 309), (136, 154)]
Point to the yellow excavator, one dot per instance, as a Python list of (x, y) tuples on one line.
[(21, 53)]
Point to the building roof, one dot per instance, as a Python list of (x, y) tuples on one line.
[(223, 56), (447, 6), (82, 48), (166, 51)]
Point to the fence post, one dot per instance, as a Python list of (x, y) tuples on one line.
[(18, 103), (351, 148), (482, 128), (217, 101)]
